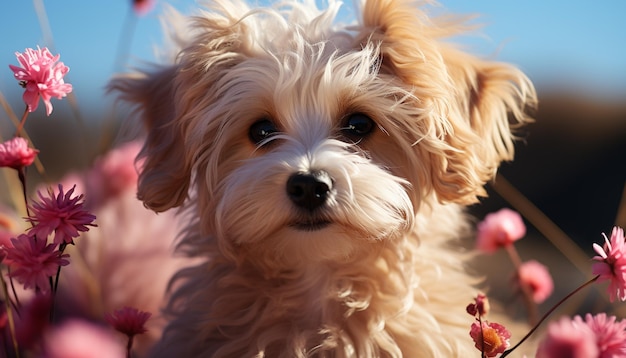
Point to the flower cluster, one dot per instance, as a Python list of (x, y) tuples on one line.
[(489, 338), (34, 258), (31, 260), (500, 230), (594, 336)]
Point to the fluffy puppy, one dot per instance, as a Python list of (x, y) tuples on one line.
[(326, 168)]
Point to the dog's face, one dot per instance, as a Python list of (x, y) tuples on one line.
[(305, 143)]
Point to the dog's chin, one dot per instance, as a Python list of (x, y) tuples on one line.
[(305, 242)]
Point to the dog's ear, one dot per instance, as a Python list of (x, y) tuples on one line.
[(174, 102), (472, 104), (491, 100), (165, 172)]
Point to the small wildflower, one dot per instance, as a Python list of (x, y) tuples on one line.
[(15, 153), (499, 229), (611, 264), (610, 334), (142, 7), (128, 320), (495, 338), (62, 214), (480, 307), (112, 174), (33, 261), (567, 338), (536, 276), (41, 75)]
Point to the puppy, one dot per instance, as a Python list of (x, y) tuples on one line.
[(325, 169)]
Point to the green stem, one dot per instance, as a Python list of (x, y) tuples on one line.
[(545, 316)]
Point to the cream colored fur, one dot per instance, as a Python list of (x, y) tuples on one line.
[(386, 278)]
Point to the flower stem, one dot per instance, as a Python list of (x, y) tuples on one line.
[(17, 299), (5, 291), (527, 293), (54, 285), (129, 346), (21, 173), (545, 316), (482, 337), (18, 131)]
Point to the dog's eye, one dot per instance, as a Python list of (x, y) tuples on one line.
[(357, 126), (261, 130)]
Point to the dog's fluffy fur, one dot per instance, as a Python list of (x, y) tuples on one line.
[(373, 271)]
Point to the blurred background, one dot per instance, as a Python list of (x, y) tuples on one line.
[(569, 175)]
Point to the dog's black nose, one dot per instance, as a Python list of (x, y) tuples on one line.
[(309, 190)]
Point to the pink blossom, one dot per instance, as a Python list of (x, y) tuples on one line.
[(80, 339), (495, 338), (536, 276), (41, 75), (142, 7), (499, 229), (567, 338), (112, 174), (128, 320), (33, 261), (62, 214), (610, 334), (611, 264), (15, 153)]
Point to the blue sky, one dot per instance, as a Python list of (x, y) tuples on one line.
[(579, 45)]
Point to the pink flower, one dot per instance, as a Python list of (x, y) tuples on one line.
[(41, 76), (62, 214), (16, 154), (142, 7), (610, 335), (112, 174), (128, 320), (567, 338), (495, 338), (80, 339), (536, 276), (33, 261), (499, 229), (611, 264)]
